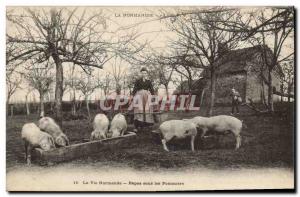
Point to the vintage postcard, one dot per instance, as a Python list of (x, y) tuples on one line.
[(150, 98)]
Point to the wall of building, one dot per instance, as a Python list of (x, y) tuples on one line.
[(224, 84), (248, 85), (255, 89), (247, 82)]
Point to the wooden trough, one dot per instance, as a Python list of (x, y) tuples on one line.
[(81, 149)]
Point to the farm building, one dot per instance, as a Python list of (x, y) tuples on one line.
[(240, 69)]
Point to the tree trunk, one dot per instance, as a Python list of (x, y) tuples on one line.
[(181, 81), (212, 92), (289, 92), (74, 103), (263, 97), (27, 105), (51, 106), (188, 101), (42, 107), (74, 108), (190, 85), (167, 90), (118, 89), (79, 104), (262, 93), (124, 89), (58, 89), (289, 89), (27, 108), (7, 106), (202, 96), (87, 107), (270, 92), (281, 90), (11, 110)]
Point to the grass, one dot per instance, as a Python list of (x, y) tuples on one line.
[(267, 142)]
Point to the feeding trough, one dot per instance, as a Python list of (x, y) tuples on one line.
[(80, 149)]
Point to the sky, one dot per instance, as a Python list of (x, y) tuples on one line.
[(119, 21)]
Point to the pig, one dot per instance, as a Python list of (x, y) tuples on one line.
[(48, 125), (118, 126), (220, 124), (179, 129), (34, 137), (100, 126)]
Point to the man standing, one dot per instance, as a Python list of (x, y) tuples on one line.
[(236, 99)]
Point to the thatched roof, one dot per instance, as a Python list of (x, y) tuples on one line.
[(236, 60)]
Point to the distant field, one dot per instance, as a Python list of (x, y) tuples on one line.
[(267, 142)]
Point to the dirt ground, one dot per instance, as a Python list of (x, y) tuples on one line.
[(266, 142)]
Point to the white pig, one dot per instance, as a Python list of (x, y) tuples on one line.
[(118, 126), (48, 125), (100, 126), (221, 124), (34, 137), (178, 129)]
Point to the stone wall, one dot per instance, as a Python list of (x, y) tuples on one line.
[(255, 89), (224, 85)]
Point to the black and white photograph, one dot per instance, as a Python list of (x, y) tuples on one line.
[(150, 98)]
